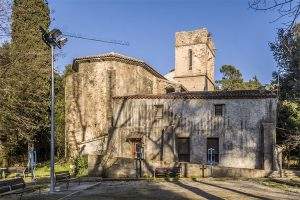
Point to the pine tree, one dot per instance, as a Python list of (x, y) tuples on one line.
[(253, 84), (30, 71), (233, 80)]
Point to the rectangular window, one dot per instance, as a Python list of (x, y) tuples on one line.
[(183, 149), (219, 109), (212, 150), (190, 59), (159, 111)]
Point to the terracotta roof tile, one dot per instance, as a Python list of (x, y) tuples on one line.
[(237, 94)]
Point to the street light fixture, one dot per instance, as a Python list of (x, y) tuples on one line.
[(53, 39)]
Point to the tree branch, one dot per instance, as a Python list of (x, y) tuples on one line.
[(289, 9)]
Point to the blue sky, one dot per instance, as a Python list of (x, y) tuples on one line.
[(240, 35)]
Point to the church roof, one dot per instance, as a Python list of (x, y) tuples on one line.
[(237, 94), (112, 56)]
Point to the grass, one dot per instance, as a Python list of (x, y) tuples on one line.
[(268, 182), (43, 170)]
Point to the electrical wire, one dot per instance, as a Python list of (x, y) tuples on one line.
[(98, 40), (125, 43)]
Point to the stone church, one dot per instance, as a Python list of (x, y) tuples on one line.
[(119, 110)]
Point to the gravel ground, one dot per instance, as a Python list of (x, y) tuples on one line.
[(211, 189)]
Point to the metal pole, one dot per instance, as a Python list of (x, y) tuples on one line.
[(52, 178), (278, 82)]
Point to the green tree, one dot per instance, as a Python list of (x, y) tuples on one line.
[(288, 132), (60, 81), (60, 115), (252, 84), (287, 55), (4, 94), (28, 75), (233, 80), (4, 61)]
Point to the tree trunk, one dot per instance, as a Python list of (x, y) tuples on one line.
[(3, 156)]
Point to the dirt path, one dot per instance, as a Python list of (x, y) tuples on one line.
[(231, 189), (211, 189)]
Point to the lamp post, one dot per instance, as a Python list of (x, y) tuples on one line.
[(53, 39)]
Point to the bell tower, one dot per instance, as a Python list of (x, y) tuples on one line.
[(194, 60)]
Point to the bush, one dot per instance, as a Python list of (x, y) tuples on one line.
[(80, 165)]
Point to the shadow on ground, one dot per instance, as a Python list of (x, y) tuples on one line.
[(198, 191), (165, 190), (234, 190)]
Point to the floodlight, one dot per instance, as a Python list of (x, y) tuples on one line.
[(55, 34), (62, 41)]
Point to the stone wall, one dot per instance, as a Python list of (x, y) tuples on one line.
[(196, 83), (86, 106), (240, 130), (199, 76), (105, 106), (89, 91), (217, 171)]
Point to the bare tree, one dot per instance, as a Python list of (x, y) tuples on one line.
[(288, 10)]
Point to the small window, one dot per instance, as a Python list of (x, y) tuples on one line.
[(190, 59), (219, 109), (159, 111)]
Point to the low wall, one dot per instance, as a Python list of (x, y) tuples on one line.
[(196, 170), (126, 168), (218, 171)]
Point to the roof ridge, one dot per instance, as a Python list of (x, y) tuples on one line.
[(112, 53), (125, 58)]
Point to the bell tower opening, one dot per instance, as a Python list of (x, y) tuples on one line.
[(190, 59)]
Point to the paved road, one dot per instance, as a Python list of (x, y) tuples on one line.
[(184, 189)]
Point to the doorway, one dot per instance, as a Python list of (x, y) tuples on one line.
[(183, 149), (213, 150), (135, 143)]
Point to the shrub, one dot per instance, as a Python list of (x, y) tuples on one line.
[(80, 165)]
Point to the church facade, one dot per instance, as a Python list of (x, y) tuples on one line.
[(120, 110)]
